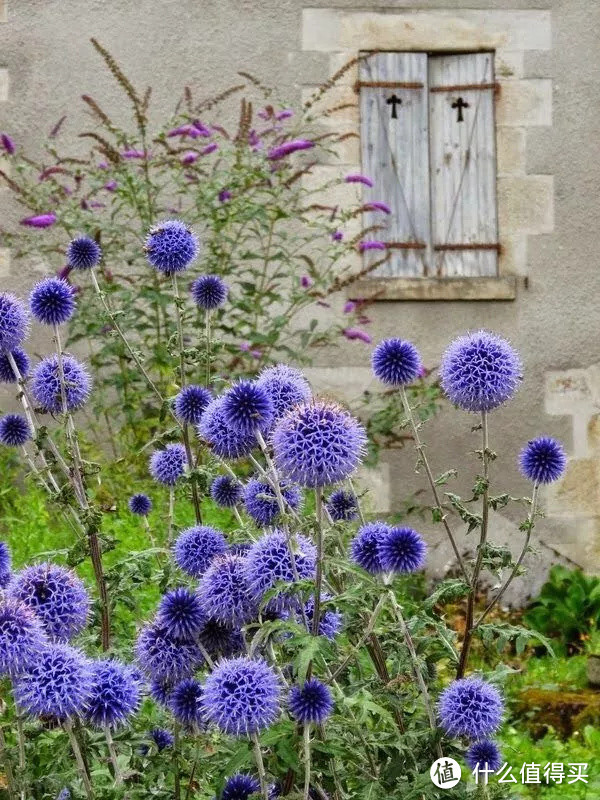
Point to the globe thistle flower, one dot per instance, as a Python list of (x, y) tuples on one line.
[(470, 707), (226, 492), (45, 385), (64, 794), (543, 460), (52, 301), (261, 503), (225, 441), (83, 253), (240, 548), (269, 561), (185, 703), (287, 387), (190, 404), (196, 547), (241, 696), (365, 547), (396, 362), (14, 321), (402, 550), (114, 696), (180, 613), (240, 787), (14, 430), (247, 408), (342, 506), (330, 620), (140, 504), (480, 371), (162, 738), (221, 640), (318, 444), (5, 565), (310, 703), (7, 375), (56, 684), (209, 292), (484, 755), (224, 592), (56, 595), (21, 637), (168, 465), (171, 247), (164, 658), (160, 691)]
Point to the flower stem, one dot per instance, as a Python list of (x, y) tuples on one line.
[(260, 767), (21, 739), (171, 515), (113, 756), (68, 726), (319, 573), (176, 765), (10, 779), (306, 742), (368, 631), (207, 330)]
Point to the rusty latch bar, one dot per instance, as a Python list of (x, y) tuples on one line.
[(470, 246), (466, 87), (387, 85), (406, 245)]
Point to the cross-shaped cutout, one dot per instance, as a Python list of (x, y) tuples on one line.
[(394, 101), (459, 104)]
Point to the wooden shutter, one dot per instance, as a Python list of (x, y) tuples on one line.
[(395, 156), (463, 165)]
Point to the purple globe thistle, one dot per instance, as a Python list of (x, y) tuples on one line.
[(543, 460), (52, 301), (56, 684), (402, 550), (287, 387), (171, 247), (221, 640), (310, 703), (191, 403), (470, 707), (225, 442), (168, 465), (261, 503), (7, 374), (365, 546), (342, 506), (396, 362), (209, 292), (269, 562), (318, 444), (196, 547), (239, 548), (480, 371), (226, 492), (140, 504), (162, 738), (14, 321), (83, 253), (56, 595), (330, 620), (5, 565), (247, 408), (64, 794), (240, 787), (484, 755), (186, 703), (164, 658), (45, 385), (180, 613), (114, 696), (224, 592), (161, 691), (241, 696), (21, 637), (14, 430)]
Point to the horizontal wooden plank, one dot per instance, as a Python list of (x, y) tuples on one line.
[(456, 289)]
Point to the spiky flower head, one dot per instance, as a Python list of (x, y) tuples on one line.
[(140, 504), (114, 696), (240, 787), (168, 465), (224, 591), (470, 707), (185, 702), (221, 640), (196, 547), (164, 658), (342, 506), (14, 430), (21, 636), (241, 696), (14, 321), (162, 738), (226, 492), (365, 546), (318, 444), (247, 407), (5, 565), (225, 441), (484, 755), (52, 301), (269, 561), (56, 684), (7, 374), (261, 502), (402, 550), (310, 703), (56, 595), (160, 691), (480, 371), (180, 613), (287, 387), (64, 794), (209, 292), (396, 362), (191, 403), (83, 253), (45, 385), (330, 620), (171, 246), (543, 460)]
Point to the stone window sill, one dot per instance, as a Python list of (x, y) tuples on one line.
[(455, 289)]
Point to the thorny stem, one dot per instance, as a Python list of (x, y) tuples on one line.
[(170, 517), (207, 331), (113, 756), (368, 631), (176, 765), (21, 739), (260, 767), (10, 779), (306, 743), (319, 574), (68, 726)]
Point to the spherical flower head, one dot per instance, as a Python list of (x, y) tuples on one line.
[(56, 684), (402, 550), (140, 504), (64, 794), (342, 506), (396, 362), (114, 696), (221, 640), (162, 738), (226, 492), (83, 253), (164, 658), (330, 620), (269, 561), (543, 460), (318, 444), (287, 387), (7, 374), (365, 546), (196, 547), (240, 787), (14, 321), (225, 441), (209, 292), (45, 385), (21, 637), (186, 703), (224, 591), (14, 430), (480, 371), (160, 691), (171, 247), (484, 755), (241, 696), (56, 595), (180, 613), (168, 465), (310, 703), (5, 565), (191, 403), (470, 707), (247, 407), (52, 301), (261, 502)]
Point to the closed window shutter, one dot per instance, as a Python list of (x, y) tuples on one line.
[(395, 156), (463, 165)]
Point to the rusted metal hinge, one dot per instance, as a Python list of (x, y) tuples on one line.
[(470, 246), (405, 245), (388, 85), (466, 87)]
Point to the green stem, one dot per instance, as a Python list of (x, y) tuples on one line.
[(68, 726), (10, 779), (113, 756), (260, 767), (176, 766), (319, 573), (306, 743)]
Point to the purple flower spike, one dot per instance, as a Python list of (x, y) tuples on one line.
[(357, 178), (356, 333), (39, 220), (371, 245), (7, 143), (285, 149)]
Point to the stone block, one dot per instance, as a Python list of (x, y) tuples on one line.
[(510, 150), (525, 102), (3, 85), (376, 482), (577, 492), (508, 65), (4, 262), (526, 203)]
